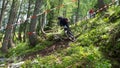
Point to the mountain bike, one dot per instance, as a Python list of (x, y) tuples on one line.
[(69, 34)]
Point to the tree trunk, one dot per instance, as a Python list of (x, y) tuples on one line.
[(32, 30), (39, 25), (51, 15), (8, 33), (43, 23), (26, 22), (119, 3), (4, 5), (20, 32), (14, 28), (77, 13)]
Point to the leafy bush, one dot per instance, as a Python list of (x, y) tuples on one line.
[(23, 49)]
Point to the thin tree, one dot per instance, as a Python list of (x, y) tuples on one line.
[(44, 21), (26, 21), (4, 5), (19, 13), (77, 12), (32, 29)]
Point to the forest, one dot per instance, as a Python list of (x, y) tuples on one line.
[(59, 33)]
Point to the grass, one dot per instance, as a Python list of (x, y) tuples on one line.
[(83, 57), (24, 49)]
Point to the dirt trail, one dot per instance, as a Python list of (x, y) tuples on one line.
[(55, 46), (48, 50)]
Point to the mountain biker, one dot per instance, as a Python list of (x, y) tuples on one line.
[(64, 22), (91, 13)]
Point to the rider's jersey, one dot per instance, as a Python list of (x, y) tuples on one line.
[(63, 22)]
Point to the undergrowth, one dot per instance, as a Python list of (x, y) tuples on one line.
[(72, 57), (92, 48), (24, 49)]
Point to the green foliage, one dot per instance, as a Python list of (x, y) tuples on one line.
[(99, 39), (23, 49), (2, 54), (26, 64), (73, 56)]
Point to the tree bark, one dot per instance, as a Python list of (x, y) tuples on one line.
[(26, 22), (20, 32), (14, 28), (8, 33), (4, 5), (43, 23), (32, 30), (39, 25), (77, 13)]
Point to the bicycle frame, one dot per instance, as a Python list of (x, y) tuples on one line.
[(69, 34)]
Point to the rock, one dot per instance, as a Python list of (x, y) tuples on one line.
[(2, 65), (15, 65)]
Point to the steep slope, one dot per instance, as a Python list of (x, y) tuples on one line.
[(97, 46)]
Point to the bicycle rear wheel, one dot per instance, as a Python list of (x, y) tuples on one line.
[(70, 35)]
